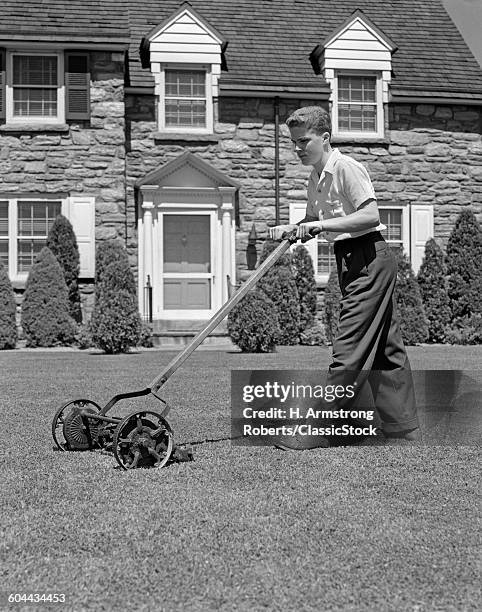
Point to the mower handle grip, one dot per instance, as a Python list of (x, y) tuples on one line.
[(291, 236)]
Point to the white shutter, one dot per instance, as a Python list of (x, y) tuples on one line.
[(297, 212), (421, 230), (82, 217)]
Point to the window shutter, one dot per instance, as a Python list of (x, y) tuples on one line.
[(2, 83), (421, 230), (77, 85), (82, 217), (297, 212)]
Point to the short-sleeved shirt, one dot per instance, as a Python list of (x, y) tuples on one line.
[(341, 189)]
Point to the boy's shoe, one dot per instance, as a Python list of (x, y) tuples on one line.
[(299, 442), (410, 435)]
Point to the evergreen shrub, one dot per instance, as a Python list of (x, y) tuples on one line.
[(304, 275), (63, 244), (279, 286), (313, 336), (431, 279), (408, 300), (253, 323), (331, 307), (115, 324), (8, 327), (45, 308), (464, 257), (465, 330)]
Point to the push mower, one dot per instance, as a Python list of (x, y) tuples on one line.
[(144, 438)]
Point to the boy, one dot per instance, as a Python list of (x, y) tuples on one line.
[(342, 204)]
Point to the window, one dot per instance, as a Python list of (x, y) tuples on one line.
[(186, 100), (35, 88), (393, 219), (24, 227), (357, 107), (326, 258)]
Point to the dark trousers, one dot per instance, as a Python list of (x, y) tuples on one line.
[(368, 344)]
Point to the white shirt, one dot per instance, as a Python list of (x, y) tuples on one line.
[(341, 189)]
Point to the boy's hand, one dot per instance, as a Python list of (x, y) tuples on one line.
[(276, 232), (306, 230)]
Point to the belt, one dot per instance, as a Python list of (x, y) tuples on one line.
[(349, 244)]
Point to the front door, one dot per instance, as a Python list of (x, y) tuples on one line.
[(187, 262)]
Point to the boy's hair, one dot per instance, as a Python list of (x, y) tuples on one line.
[(312, 117)]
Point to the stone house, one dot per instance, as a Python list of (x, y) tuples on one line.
[(162, 124)]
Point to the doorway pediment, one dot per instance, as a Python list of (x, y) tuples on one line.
[(189, 172)]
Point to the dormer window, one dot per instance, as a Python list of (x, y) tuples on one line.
[(357, 104), (187, 103), (184, 55), (356, 60)]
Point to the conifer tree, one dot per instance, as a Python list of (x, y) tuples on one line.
[(115, 324), (63, 244), (433, 289), (331, 307), (8, 327), (253, 323), (45, 307), (411, 315), (304, 275), (279, 286), (464, 257)]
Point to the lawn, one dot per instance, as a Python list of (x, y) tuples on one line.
[(240, 528)]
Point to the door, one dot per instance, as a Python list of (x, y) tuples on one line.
[(187, 262)]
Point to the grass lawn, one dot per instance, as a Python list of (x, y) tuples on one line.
[(240, 528)]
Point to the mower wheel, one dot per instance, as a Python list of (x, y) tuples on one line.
[(70, 430), (143, 439)]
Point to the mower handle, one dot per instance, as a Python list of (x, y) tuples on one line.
[(288, 239)]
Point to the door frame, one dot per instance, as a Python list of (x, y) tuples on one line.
[(211, 211)]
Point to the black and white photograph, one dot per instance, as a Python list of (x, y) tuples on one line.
[(240, 305)]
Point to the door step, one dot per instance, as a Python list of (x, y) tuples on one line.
[(183, 338)]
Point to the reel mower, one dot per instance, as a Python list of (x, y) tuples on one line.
[(144, 438)]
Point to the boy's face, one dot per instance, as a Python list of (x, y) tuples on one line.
[(309, 146)]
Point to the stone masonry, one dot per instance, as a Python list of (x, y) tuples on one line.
[(82, 157), (432, 154)]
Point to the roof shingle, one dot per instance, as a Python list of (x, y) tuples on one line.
[(272, 40)]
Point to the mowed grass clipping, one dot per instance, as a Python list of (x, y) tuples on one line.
[(240, 528)]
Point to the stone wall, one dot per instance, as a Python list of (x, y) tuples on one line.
[(433, 154), (82, 157)]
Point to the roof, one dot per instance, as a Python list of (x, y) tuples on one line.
[(270, 41), (65, 20)]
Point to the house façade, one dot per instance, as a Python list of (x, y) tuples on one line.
[(162, 124)]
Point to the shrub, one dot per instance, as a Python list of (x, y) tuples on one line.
[(466, 330), (115, 324), (268, 247), (83, 337), (108, 252), (63, 244), (145, 338), (313, 336), (464, 254), (279, 286), (408, 301), (304, 275), (45, 308), (8, 327), (433, 289), (331, 307), (253, 323)]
